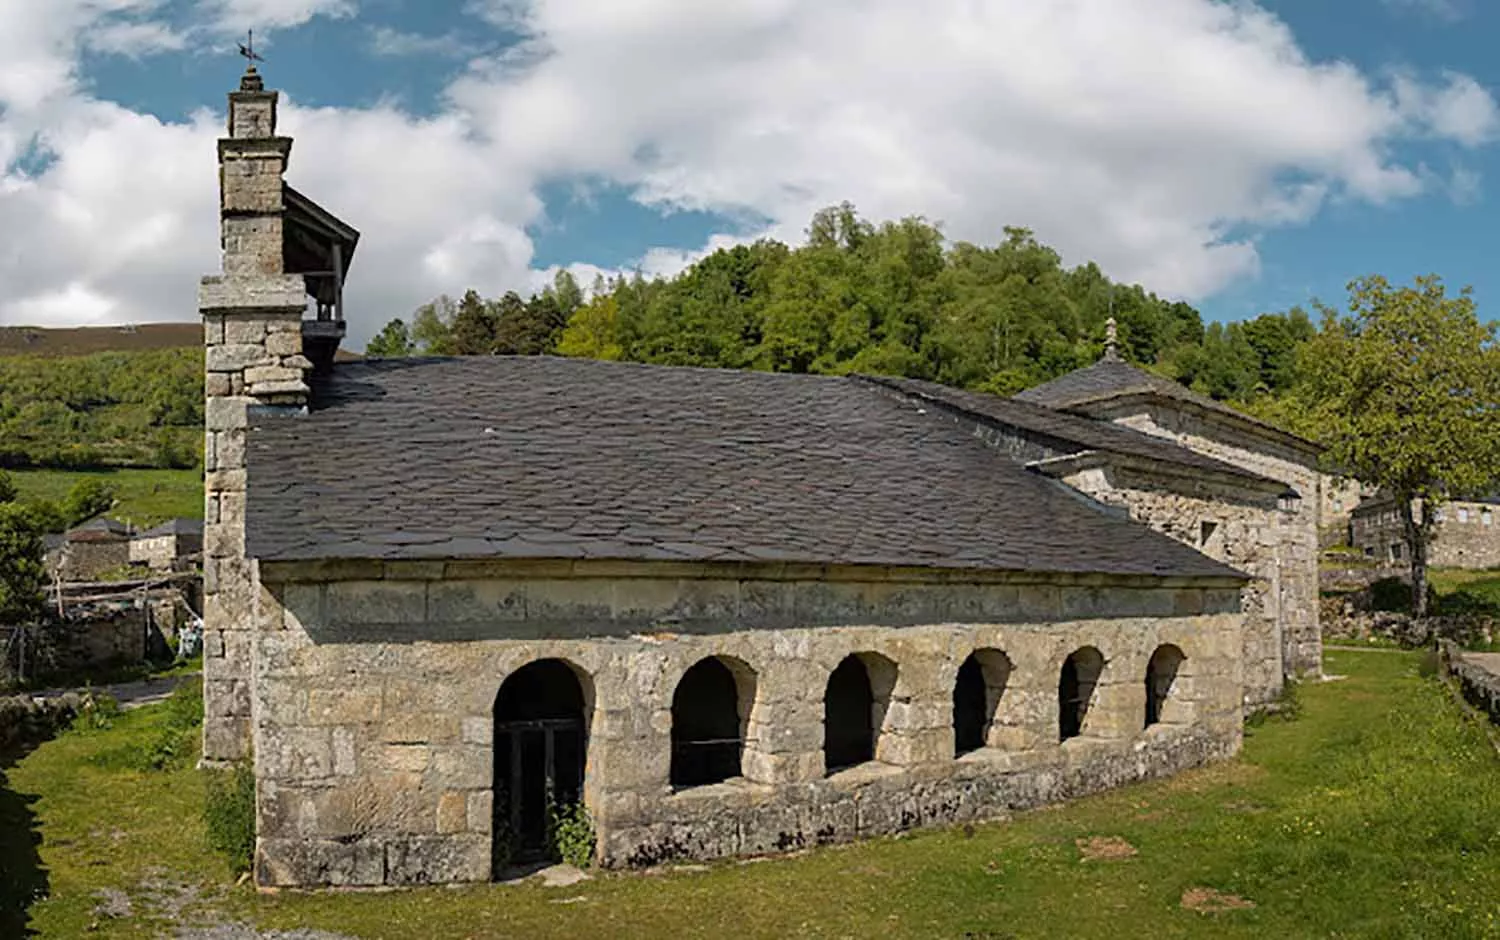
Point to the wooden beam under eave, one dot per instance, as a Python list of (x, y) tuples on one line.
[(338, 282)]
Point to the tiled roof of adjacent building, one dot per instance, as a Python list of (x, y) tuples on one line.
[(1114, 378), (1085, 433), (499, 457)]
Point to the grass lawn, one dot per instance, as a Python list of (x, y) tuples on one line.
[(145, 497), (1374, 814), (1484, 584)]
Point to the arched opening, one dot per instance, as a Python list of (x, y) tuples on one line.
[(541, 745), (1161, 675), (710, 715), (1075, 690), (854, 706), (976, 698)]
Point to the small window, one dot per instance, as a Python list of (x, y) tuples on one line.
[(1486, 518), (1463, 514), (1396, 550)]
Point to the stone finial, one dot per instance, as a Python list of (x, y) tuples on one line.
[(1111, 340)]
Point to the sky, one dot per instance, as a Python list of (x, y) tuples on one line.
[(1243, 156)]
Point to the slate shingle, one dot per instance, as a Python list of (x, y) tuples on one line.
[(541, 457), (1086, 433), (1113, 378)]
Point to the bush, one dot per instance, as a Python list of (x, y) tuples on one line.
[(229, 814), (570, 834), (176, 740), (96, 711)]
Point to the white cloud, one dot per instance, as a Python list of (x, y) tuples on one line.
[(385, 41), (1158, 137), (135, 39), (240, 15)]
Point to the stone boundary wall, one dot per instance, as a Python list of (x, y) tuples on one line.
[(374, 706), (1480, 686), (26, 721)]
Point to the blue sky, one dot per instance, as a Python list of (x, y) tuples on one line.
[(1246, 157)]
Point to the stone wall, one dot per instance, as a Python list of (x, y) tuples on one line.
[(1479, 685), (374, 702), (1241, 527), (87, 559), (1302, 647)]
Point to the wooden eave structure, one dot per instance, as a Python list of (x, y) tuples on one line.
[(320, 246)]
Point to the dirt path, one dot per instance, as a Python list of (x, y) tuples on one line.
[(128, 694)]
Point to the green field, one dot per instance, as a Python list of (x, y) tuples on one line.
[(1484, 585), (144, 497), (1372, 814)]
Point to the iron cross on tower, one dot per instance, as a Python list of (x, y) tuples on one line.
[(247, 49)]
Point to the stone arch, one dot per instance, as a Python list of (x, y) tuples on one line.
[(855, 702), (711, 720), (977, 691), (1161, 680), (1076, 685), (541, 721)]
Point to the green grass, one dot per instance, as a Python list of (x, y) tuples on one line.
[(1372, 814), (1483, 584), (144, 497)]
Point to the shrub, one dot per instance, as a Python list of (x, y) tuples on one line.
[(175, 742), (96, 711), (570, 834), (229, 814)]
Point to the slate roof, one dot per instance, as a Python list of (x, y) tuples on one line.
[(1085, 433), (98, 529), (175, 527), (538, 457), (1114, 378)]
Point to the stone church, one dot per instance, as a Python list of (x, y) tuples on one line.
[(728, 612)]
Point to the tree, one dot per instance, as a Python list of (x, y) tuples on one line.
[(9, 492), (392, 342), (87, 499), (1409, 389), (431, 327), (23, 570), (473, 327)]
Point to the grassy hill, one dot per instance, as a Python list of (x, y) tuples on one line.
[(85, 340)]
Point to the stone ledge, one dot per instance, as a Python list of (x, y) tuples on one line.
[(269, 293)]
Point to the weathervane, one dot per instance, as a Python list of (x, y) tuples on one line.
[(247, 49)]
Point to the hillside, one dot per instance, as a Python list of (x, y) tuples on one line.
[(85, 340)]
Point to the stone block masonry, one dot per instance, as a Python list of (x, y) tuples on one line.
[(376, 698), (252, 335)]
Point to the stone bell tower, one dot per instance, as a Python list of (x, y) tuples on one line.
[(252, 335)]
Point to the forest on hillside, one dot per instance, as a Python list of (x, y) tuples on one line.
[(111, 409), (889, 298)]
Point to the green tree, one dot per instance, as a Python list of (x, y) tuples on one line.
[(9, 492), (432, 327), (1408, 385), (592, 332), (392, 342), (473, 330), (87, 499), (22, 568)]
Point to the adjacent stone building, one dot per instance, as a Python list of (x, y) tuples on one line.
[(89, 550), (176, 544), (1465, 532), (727, 612)]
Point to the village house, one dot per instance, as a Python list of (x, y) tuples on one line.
[(89, 550), (728, 612), (174, 545), (1465, 532)]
